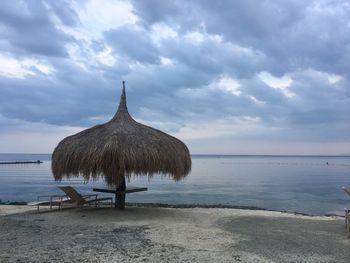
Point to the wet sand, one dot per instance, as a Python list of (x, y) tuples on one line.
[(154, 234)]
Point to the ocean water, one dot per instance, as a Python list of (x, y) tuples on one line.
[(306, 184)]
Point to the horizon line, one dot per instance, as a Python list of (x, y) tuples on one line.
[(225, 154)]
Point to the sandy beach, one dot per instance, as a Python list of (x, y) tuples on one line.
[(152, 234)]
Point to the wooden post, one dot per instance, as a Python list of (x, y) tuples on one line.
[(120, 195)]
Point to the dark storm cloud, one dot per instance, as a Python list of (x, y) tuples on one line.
[(292, 33), (319, 101), (71, 97), (288, 35), (154, 11), (133, 42), (27, 28), (63, 10), (215, 57)]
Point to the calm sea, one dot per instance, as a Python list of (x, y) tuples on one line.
[(309, 184)]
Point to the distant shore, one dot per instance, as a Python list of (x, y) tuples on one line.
[(159, 234), (21, 162)]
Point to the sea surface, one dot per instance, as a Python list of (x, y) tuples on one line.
[(305, 184)]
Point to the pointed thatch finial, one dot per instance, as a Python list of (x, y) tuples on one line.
[(122, 103)]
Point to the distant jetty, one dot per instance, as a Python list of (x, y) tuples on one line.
[(20, 162)]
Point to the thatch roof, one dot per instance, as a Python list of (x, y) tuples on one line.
[(118, 148)]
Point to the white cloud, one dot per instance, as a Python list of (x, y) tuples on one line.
[(86, 58), (230, 126), (166, 61), (229, 84), (275, 82), (281, 83), (14, 68), (195, 37), (215, 38), (161, 31), (75, 55), (326, 76), (258, 102), (98, 16), (41, 66), (106, 57), (333, 78)]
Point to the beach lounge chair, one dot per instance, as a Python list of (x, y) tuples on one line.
[(78, 200), (347, 213), (50, 201)]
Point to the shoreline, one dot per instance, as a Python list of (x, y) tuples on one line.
[(188, 206), (223, 206)]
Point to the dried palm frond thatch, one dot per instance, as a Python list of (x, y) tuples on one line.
[(120, 148)]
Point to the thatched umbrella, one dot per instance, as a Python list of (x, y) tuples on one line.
[(120, 148)]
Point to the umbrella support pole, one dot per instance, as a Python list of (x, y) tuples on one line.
[(120, 195)]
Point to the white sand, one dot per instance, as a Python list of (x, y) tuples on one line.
[(144, 234), (13, 209)]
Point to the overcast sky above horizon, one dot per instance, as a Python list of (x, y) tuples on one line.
[(226, 77)]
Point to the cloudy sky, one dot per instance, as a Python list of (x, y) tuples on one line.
[(226, 77)]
